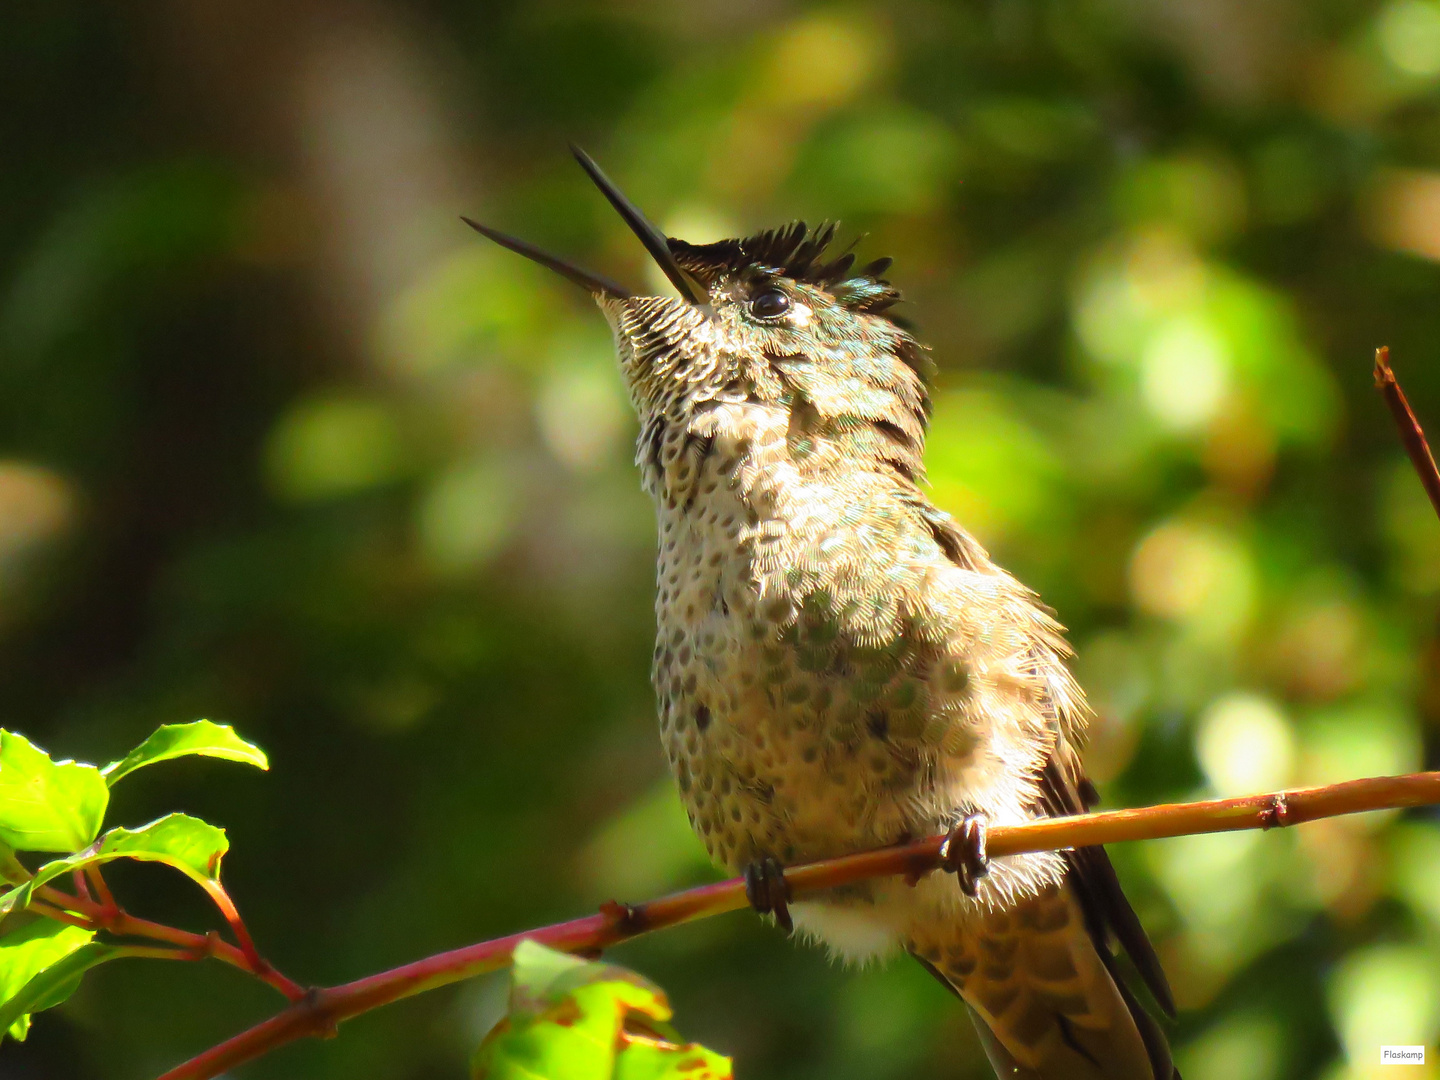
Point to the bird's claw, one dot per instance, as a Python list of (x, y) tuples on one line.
[(768, 891), (963, 853)]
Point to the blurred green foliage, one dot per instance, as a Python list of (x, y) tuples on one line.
[(282, 443)]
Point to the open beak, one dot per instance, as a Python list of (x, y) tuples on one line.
[(586, 280), (653, 239)]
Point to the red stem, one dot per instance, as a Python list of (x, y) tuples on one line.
[(102, 890), (60, 915), (156, 952), (82, 912), (227, 907), (322, 1010)]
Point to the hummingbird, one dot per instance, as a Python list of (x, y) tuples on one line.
[(840, 666)]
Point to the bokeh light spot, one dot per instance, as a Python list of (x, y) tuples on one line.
[(821, 60), (1188, 868), (645, 848), (1184, 374), (1361, 739), (1411, 528), (880, 161), (464, 308), (583, 414), (466, 515), (36, 506), (332, 446), (1416, 867), (1202, 195), (1247, 1046), (1195, 574), (1245, 745), (1409, 36), (1385, 995), (989, 467), (1403, 212)]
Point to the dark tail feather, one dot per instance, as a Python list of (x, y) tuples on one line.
[(1048, 1003), (1064, 790)]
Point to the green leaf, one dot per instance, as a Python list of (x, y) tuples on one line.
[(10, 868), (645, 1060), (534, 971), (47, 805), (571, 1019), (192, 846), (53, 985), (182, 740), (28, 954)]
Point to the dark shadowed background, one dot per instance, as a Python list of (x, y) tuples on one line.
[(283, 444)]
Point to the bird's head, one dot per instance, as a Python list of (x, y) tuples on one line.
[(771, 319)]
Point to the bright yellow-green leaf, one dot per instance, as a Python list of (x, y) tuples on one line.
[(200, 737), (25, 955), (52, 986), (10, 868), (47, 805), (644, 1059), (192, 846)]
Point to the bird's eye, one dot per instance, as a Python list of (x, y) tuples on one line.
[(770, 304)]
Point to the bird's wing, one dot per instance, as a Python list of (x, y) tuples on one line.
[(1046, 1000), (1065, 791)]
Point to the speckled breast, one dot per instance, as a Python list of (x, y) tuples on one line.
[(787, 738)]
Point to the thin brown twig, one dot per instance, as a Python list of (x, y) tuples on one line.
[(322, 1010), (1412, 435)]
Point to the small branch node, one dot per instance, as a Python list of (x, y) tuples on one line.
[(918, 867), (1276, 814), (625, 920), (210, 945), (110, 917), (323, 1024)]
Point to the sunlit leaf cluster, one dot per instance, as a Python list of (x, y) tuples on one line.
[(48, 807)]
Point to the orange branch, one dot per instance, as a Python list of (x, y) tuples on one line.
[(320, 1012)]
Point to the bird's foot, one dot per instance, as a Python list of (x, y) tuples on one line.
[(768, 891), (963, 853)]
